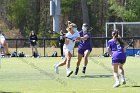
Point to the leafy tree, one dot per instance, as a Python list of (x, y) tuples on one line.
[(120, 12), (71, 10), (134, 5), (85, 11), (17, 12)]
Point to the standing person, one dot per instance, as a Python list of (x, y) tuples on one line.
[(116, 48), (68, 47), (84, 48), (33, 43), (4, 44), (61, 42)]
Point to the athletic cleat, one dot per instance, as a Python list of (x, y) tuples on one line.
[(56, 69), (117, 84), (69, 73), (84, 70), (76, 71), (123, 82), (62, 57)]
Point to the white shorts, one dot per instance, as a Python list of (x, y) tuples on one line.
[(66, 50)]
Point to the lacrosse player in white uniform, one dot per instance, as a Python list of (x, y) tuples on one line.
[(70, 38)]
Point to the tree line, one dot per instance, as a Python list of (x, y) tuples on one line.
[(27, 15)]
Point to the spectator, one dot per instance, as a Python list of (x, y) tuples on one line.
[(61, 42), (4, 44), (33, 42)]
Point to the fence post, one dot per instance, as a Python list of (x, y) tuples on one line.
[(133, 47), (44, 46), (103, 45), (16, 45)]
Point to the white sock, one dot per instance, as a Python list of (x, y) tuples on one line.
[(57, 65), (116, 77), (67, 69), (122, 77)]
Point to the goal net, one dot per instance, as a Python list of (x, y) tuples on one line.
[(127, 30)]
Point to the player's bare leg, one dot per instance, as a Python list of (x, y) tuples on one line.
[(56, 66), (115, 73), (121, 70), (68, 71), (86, 54), (78, 63)]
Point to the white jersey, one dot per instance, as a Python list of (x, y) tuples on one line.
[(72, 38)]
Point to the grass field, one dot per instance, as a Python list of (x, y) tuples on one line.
[(36, 75)]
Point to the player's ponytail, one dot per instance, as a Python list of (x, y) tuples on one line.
[(120, 40), (115, 33)]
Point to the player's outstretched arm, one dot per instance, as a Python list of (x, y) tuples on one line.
[(84, 37), (109, 51)]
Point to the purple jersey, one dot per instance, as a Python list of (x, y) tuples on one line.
[(116, 49), (85, 44)]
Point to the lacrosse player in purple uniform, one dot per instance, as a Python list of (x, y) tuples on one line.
[(117, 49), (84, 48)]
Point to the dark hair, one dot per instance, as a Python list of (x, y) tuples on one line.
[(115, 33)]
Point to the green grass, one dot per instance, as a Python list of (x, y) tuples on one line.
[(36, 75)]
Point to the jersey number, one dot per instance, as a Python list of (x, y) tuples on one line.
[(119, 48)]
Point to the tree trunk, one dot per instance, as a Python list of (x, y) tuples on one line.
[(85, 11)]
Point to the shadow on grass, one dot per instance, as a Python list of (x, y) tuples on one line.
[(91, 76), (9, 92), (135, 86), (96, 76), (130, 86)]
